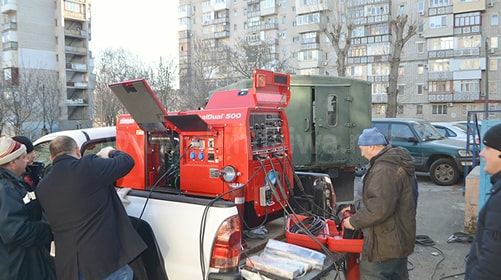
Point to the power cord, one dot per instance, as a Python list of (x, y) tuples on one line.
[(314, 224)]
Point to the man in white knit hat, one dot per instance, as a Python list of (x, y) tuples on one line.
[(24, 237)]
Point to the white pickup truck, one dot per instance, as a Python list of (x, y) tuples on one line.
[(187, 237)]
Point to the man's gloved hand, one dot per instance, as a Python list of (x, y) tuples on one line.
[(104, 153), (122, 194)]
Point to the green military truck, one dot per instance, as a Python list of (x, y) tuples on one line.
[(326, 115)]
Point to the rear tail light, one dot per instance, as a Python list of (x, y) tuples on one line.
[(227, 246)]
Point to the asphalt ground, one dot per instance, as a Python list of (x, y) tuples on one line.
[(440, 215)]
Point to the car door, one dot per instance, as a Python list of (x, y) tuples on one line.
[(401, 135)]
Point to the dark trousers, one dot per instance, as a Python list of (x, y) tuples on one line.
[(394, 269)]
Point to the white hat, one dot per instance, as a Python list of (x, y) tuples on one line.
[(10, 150)]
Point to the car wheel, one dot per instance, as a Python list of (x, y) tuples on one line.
[(444, 172)]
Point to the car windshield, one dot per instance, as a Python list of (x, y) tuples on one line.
[(426, 131)]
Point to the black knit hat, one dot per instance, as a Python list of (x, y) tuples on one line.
[(25, 141), (492, 137)]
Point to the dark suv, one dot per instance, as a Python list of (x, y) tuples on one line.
[(445, 159)]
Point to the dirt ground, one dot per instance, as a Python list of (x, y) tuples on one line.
[(440, 215)]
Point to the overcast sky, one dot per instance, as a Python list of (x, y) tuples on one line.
[(147, 28)]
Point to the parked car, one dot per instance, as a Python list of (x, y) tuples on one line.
[(90, 140), (444, 159), (450, 130)]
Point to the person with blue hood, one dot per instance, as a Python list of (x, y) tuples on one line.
[(388, 215), (485, 253)]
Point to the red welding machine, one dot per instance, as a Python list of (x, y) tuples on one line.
[(237, 148)]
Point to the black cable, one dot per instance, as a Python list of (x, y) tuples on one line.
[(314, 224), (204, 219), (425, 240)]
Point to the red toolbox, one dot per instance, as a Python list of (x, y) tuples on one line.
[(336, 242)]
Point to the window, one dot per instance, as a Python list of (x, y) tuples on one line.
[(401, 132), (439, 3), (308, 55), (439, 86), (468, 42), (11, 76), (469, 85), (419, 109), (439, 65), (421, 7), (379, 69), (493, 42), (332, 110), (470, 64), (494, 20), (310, 37), (400, 89), (420, 69), (420, 47), (379, 88), (400, 109), (419, 89), (493, 65), (358, 51), (467, 19), (72, 6), (439, 109), (444, 43), (437, 22), (308, 19)]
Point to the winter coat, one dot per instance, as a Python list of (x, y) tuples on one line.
[(24, 237), (92, 231), (388, 215), (484, 258)]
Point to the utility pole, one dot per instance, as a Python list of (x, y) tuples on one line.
[(486, 105)]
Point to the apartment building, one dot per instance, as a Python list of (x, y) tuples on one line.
[(448, 68), (47, 38)]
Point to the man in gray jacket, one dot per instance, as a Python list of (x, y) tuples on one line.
[(388, 216)]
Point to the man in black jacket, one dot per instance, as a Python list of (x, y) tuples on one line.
[(93, 236), (24, 237), (34, 169), (484, 258)]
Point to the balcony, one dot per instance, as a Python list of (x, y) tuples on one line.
[(77, 85), (75, 50), (9, 46), (80, 102), (441, 54), (380, 98), (440, 97), (9, 6), (75, 15), (466, 96), (75, 33), (9, 26), (76, 67)]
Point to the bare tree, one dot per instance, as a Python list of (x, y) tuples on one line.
[(338, 29), (163, 84), (47, 98), (402, 31), (114, 65), (20, 103), (244, 57), (205, 61)]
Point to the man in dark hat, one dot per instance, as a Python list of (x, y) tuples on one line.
[(485, 252), (34, 169)]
